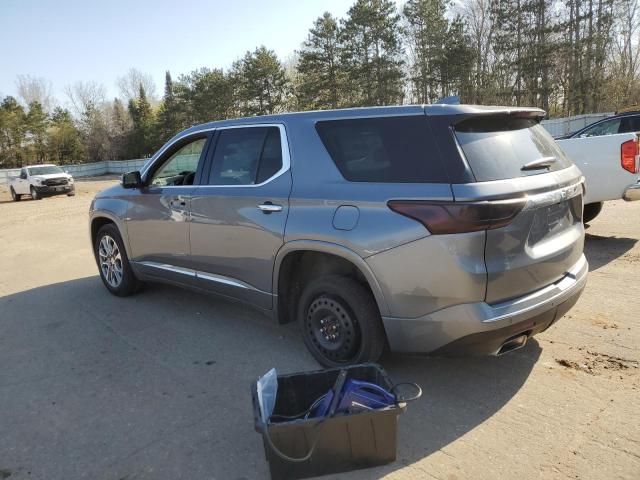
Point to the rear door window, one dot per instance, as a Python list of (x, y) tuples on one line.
[(497, 148), (608, 127), (384, 150), (246, 156)]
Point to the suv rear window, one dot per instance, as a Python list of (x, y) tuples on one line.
[(498, 147), (385, 150)]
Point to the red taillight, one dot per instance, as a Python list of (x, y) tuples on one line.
[(457, 217), (629, 156)]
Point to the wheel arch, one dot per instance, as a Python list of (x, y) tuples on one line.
[(99, 218), (291, 254)]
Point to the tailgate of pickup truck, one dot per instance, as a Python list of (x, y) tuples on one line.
[(599, 159)]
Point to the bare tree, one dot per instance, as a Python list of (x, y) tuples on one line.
[(35, 89), (627, 36), (85, 95), (477, 15), (129, 85)]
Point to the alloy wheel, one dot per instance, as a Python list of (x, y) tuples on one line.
[(110, 261)]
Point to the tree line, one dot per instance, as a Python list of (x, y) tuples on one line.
[(566, 56)]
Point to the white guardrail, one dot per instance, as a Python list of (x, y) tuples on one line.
[(86, 169)]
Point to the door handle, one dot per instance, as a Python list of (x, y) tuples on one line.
[(268, 207)]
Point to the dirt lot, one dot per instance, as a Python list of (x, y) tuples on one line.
[(157, 385)]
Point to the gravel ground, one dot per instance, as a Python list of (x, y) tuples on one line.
[(157, 385)]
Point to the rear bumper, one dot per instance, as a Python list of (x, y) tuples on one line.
[(481, 328), (632, 192)]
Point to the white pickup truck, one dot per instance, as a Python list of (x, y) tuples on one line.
[(610, 165), (40, 181)]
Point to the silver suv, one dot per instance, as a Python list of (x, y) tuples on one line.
[(430, 229)]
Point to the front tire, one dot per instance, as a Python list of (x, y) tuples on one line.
[(340, 322), (591, 211), (14, 196), (113, 263), (34, 194)]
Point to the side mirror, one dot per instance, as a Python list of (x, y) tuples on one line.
[(132, 180)]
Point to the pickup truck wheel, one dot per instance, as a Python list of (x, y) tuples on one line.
[(591, 211), (113, 263), (14, 196), (340, 321), (34, 194)]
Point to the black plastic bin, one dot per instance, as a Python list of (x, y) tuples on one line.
[(344, 442)]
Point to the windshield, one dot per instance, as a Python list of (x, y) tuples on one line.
[(45, 170)]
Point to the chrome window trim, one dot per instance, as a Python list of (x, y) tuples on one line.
[(284, 145)]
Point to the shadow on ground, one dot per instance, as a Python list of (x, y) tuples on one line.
[(157, 386), (601, 250)]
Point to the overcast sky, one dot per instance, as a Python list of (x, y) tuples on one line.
[(70, 40)]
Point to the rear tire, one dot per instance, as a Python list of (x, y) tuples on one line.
[(340, 321), (34, 194), (14, 196), (591, 211), (113, 263)]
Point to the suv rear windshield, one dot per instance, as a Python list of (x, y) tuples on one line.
[(498, 147), (386, 149)]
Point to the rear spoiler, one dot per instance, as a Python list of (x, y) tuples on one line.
[(466, 111)]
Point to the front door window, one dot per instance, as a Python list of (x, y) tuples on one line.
[(180, 168)]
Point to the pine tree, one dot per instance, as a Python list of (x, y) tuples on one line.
[(64, 142), (457, 68), (260, 84), (321, 78), (12, 133), (426, 35), (210, 96), (95, 132), (141, 139), (36, 129), (372, 53), (169, 114), (121, 126)]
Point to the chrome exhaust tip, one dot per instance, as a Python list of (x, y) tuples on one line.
[(513, 343)]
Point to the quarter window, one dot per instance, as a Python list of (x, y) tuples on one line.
[(388, 149), (246, 156), (180, 168)]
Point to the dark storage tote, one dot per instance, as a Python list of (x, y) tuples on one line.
[(344, 442)]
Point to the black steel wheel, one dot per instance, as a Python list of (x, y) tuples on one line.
[(340, 321)]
